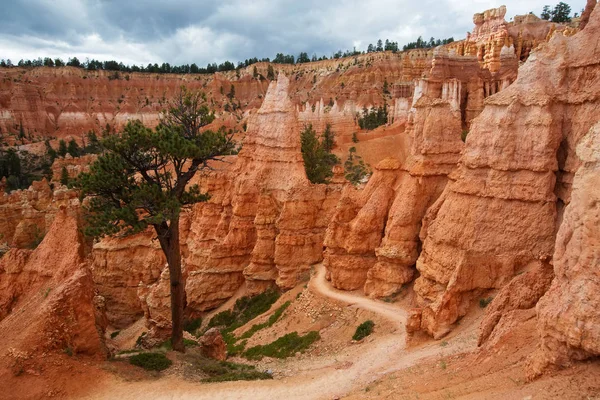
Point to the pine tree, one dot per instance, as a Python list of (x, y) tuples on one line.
[(62, 148), (142, 181), (328, 139), (561, 13), (73, 148), (270, 73), (355, 168), (546, 13), (318, 162), (64, 176)]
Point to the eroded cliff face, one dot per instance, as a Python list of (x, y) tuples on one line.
[(372, 240), (568, 318), (47, 298), (469, 218), (67, 102), (500, 214), (263, 226), (26, 215)]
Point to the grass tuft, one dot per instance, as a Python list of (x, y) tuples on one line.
[(286, 346), (222, 371), (151, 361), (272, 319), (245, 309)]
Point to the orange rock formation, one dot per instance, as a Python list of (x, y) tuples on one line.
[(498, 217)]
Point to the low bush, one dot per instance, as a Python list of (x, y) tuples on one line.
[(151, 361), (284, 347), (363, 330), (245, 309), (272, 319), (222, 371), (483, 303), (192, 325), (233, 349), (114, 334)]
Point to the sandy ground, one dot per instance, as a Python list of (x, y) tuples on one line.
[(327, 377)]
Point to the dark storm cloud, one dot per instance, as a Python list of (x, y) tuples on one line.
[(202, 31)]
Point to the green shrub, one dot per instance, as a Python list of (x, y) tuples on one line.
[(114, 334), (284, 347), (483, 303), (272, 319), (140, 339), (151, 361), (233, 349), (316, 154), (363, 330), (222, 371), (192, 325), (245, 309), (224, 318)]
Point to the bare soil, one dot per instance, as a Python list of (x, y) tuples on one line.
[(381, 366)]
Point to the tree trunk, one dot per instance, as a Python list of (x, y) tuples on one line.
[(170, 246)]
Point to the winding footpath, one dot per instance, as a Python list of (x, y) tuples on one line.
[(367, 362)]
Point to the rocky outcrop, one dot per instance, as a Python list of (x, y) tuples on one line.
[(26, 215), (47, 297), (568, 318), (498, 216), (372, 241), (212, 345), (357, 227), (73, 165), (264, 225)]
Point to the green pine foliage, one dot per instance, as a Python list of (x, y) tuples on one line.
[(21, 168), (141, 180), (270, 73), (73, 148), (561, 13), (64, 176), (371, 119), (165, 158), (328, 139), (62, 148), (355, 169), (317, 156)]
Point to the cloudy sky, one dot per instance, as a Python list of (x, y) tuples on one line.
[(203, 31)]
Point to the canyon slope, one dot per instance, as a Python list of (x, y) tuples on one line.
[(484, 190)]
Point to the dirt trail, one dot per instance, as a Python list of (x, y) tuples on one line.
[(367, 362)]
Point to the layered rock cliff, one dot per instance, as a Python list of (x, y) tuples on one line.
[(463, 219), (264, 225), (47, 295), (499, 216)]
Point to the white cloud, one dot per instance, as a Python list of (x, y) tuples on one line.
[(204, 31)]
